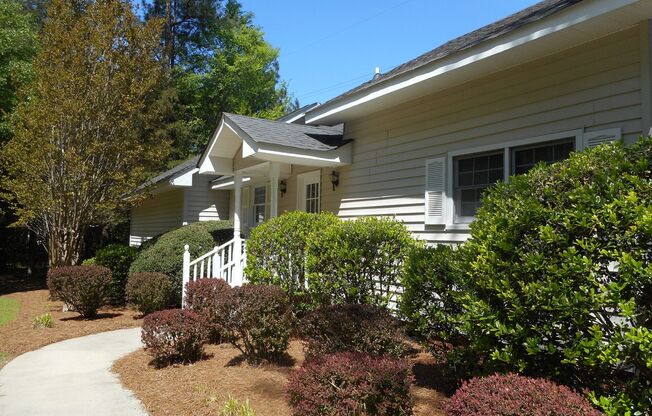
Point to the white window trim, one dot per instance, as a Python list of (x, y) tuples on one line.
[(304, 179), (451, 223)]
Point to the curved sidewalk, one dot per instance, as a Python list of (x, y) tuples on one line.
[(72, 377)]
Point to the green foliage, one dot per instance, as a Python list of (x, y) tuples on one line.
[(18, 43), (166, 254), (148, 292), (433, 283), (8, 309), (233, 407), (276, 249), (560, 275), (95, 76), (118, 258), (358, 261), (84, 288), (43, 321)]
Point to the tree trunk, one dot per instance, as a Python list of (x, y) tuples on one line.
[(64, 247)]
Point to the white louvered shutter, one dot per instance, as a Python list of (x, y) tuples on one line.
[(596, 138), (436, 191)]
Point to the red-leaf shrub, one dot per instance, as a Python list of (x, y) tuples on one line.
[(203, 296), (174, 335), (352, 327), (85, 288), (149, 291), (512, 394), (257, 320), (351, 384)]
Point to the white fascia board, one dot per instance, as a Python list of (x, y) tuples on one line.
[(228, 184), (337, 157), (183, 179), (562, 20), (249, 146), (203, 167)]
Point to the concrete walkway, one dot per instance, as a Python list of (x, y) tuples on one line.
[(71, 378)]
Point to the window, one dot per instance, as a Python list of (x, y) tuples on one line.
[(309, 195), (259, 205), (526, 157), (474, 174)]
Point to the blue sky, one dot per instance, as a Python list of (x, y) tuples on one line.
[(328, 47)]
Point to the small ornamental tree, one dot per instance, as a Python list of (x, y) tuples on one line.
[(560, 275), (358, 261)]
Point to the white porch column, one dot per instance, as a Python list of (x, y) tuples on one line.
[(237, 243), (273, 181)]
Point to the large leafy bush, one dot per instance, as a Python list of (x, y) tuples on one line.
[(166, 254), (204, 297), (148, 292), (511, 394), (85, 288), (358, 261), (174, 335), (351, 384), (354, 328), (276, 249), (560, 275), (433, 283), (117, 258), (257, 320)]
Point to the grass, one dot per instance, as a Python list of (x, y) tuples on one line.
[(8, 310)]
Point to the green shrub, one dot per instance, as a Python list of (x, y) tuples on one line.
[(560, 275), (148, 292), (276, 249), (433, 284), (257, 320), (166, 254), (174, 335), (352, 328), (89, 262), (117, 258), (358, 261), (84, 288)]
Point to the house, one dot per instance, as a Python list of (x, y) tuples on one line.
[(420, 143), (180, 196)]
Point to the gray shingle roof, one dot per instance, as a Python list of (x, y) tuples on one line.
[(178, 169), (302, 110), (501, 27), (321, 138)]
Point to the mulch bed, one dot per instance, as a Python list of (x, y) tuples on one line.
[(18, 336), (203, 387)]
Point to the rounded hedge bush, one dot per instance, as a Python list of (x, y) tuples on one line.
[(433, 283), (174, 335), (358, 261), (257, 320), (84, 288), (276, 249), (351, 384), (512, 394), (354, 328), (204, 297), (560, 275), (149, 292), (118, 258), (165, 255)]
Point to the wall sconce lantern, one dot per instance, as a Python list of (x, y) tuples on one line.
[(283, 187), (335, 179)]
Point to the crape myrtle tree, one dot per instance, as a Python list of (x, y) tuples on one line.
[(82, 133)]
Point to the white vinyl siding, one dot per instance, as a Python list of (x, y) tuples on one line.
[(595, 87), (155, 215), (204, 204)]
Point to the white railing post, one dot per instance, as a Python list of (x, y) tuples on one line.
[(216, 264), (186, 273), (236, 277)]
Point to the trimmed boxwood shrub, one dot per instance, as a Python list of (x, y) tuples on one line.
[(512, 394), (351, 384), (166, 254), (351, 327), (174, 335), (560, 275), (118, 258), (276, 249), (358, 261), (257, 320), (433, 285), (85, 288), (204, 296), (148, 292)]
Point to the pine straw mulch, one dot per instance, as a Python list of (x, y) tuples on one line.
[(18, 336), (203, 387)]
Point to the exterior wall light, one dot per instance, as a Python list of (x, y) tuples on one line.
[(283, 187), (335, 179)]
